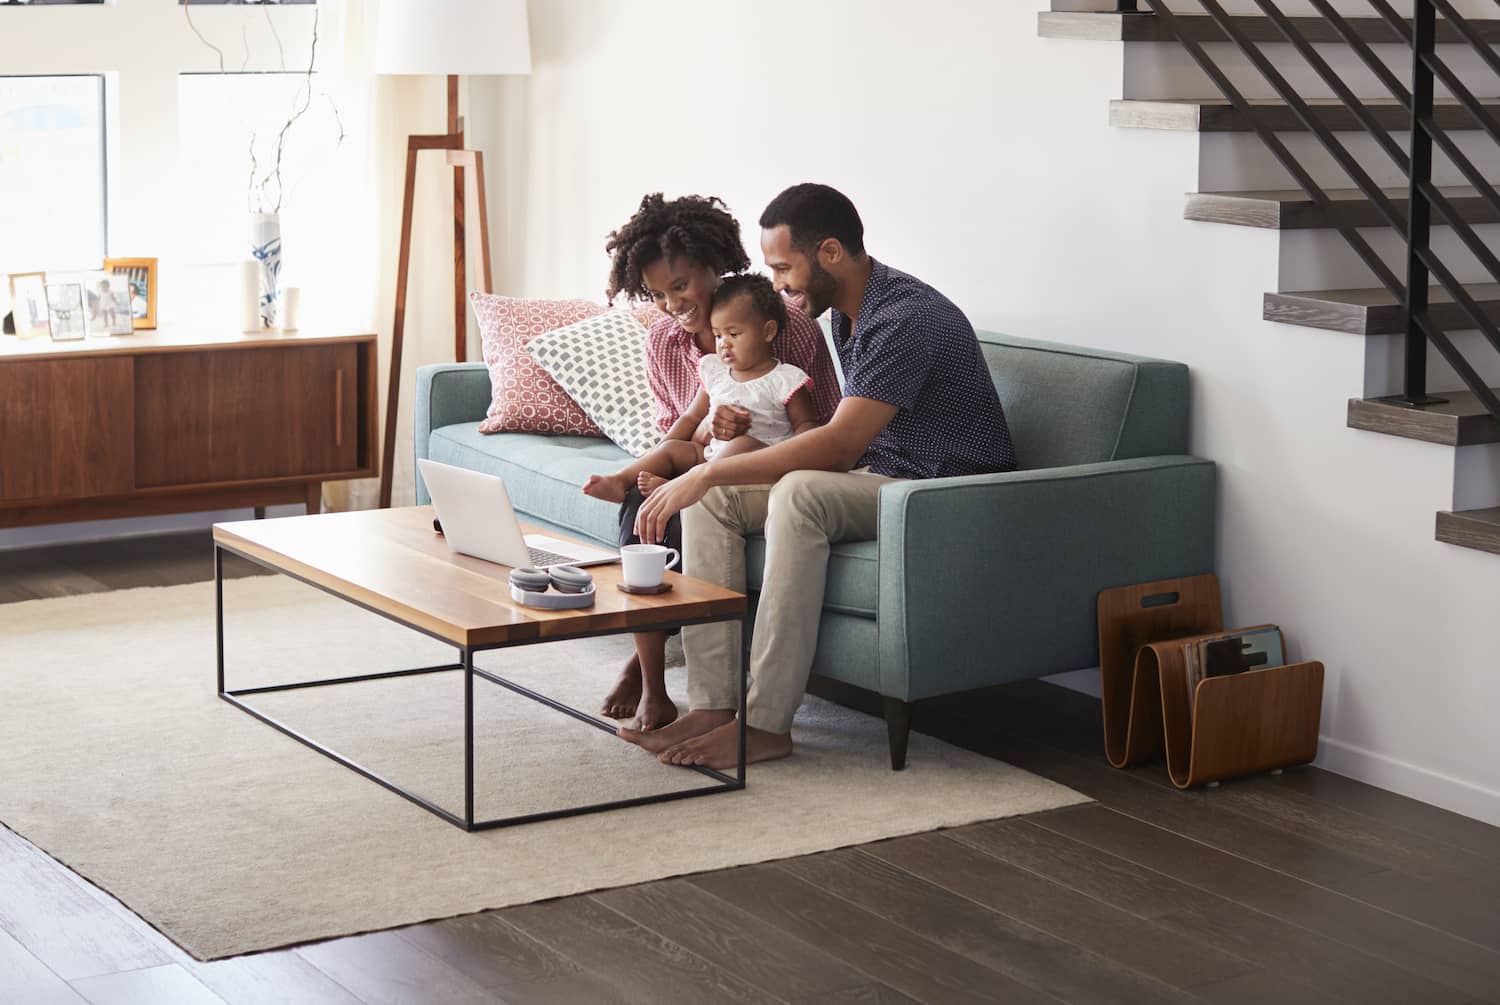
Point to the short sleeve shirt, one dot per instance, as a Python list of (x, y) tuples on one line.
[(672, 358), (913, 348)]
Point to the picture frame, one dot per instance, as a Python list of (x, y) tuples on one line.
[(98, 304), (123, 322), (140, 273), (28, 303), (65, 311)]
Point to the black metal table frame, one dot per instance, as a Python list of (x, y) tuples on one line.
[(723, 782)]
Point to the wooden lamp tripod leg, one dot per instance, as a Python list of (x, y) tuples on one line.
[(398, 330)]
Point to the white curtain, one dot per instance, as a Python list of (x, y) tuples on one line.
[(358, 256)]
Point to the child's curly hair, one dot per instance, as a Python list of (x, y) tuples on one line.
[(763, 296), (696, 226)]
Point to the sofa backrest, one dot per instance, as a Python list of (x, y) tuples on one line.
[(1070, 405)]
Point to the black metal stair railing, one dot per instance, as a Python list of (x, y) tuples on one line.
[(1415, 162)]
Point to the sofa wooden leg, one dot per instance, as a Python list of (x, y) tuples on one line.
[(897, 728)]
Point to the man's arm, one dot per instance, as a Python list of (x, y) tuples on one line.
[(838, 446)]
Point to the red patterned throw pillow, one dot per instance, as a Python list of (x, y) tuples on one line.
[(523, 398)]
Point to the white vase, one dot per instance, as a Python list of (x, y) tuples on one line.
[(265, 248)]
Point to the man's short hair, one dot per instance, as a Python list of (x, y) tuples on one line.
[(814, 213)]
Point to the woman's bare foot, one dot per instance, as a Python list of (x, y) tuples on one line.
[(610, 488), (622, 700), (694, 723), (648, 482), (653, 712), (719, 748)]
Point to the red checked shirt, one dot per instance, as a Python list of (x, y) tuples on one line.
[(672, 356)]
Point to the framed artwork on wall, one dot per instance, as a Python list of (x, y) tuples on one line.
[(140, 274), (28, 302)]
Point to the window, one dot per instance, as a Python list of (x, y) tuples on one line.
[(51, 174)]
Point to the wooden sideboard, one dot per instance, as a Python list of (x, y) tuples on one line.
[(180, 421)]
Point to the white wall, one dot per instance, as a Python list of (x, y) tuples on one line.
[(981, 160)]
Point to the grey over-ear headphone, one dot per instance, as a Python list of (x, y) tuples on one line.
[(575, 588)]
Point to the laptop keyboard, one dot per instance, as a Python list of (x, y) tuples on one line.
[(541, 557)]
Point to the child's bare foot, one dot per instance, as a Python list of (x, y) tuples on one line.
[(610, 488), (654, 712), (623, 698), (649, 483)]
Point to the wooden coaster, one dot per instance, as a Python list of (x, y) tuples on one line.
[(644, 590)]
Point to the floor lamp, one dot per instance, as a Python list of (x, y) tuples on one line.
[(450, 38)]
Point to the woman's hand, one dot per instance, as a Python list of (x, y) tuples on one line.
[(729, 421), (667, 501)]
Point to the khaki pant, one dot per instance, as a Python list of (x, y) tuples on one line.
[(801, 515)]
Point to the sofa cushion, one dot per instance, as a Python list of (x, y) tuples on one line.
[(853, 575), (601, 363), (524, 399), (1136, 407), (544, 475)]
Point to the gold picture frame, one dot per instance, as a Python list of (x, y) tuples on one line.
[(141, 272)]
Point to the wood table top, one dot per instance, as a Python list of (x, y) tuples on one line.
[(176, 338), (391, 560)]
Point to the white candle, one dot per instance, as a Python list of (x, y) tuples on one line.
[(250, 295), (291, 299)]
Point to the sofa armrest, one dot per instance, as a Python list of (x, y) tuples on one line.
[(986, 579), (447, 394)]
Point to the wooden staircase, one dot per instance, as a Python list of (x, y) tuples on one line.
[(1461, 420)]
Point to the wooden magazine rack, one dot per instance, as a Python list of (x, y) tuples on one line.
[(1256, 720)]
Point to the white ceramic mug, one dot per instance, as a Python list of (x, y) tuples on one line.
[(642, 565)]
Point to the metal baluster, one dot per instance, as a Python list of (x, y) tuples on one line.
[(1419, 211)]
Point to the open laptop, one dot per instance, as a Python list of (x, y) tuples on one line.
[(477, 520)]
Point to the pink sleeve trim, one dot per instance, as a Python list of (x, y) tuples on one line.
[(806, 382)]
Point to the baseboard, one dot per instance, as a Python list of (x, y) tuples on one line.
[(103, 530), (1405, 779), (1084, 681)]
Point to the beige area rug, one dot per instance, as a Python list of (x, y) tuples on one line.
[(118, 759)]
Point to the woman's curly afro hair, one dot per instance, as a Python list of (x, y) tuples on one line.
[(695, 226)]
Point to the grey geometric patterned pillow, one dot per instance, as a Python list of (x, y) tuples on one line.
[(601, 363)]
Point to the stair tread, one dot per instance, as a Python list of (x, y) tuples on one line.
[(1373, 311), (1381, 297), (1218, 115), (1144, 26), (1293, 209), (1459, 421), (1474, 528)]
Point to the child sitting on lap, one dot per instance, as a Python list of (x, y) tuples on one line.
[(747, 315)]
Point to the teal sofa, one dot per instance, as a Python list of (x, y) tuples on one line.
[(973, 581)]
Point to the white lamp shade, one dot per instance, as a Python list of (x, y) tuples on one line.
[(453, 36)]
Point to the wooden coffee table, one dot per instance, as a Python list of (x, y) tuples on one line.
[(392, 563)]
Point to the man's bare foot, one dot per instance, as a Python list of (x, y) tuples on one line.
[(648, 482), (610, 488), (653, 712), (622, 700), (695, 723), (719, 748)]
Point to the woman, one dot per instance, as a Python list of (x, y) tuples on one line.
[(673, 253)]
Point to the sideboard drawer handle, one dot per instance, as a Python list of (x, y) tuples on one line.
[(338, 407)]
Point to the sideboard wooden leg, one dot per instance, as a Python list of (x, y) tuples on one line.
[(260, 512), (314, 497)]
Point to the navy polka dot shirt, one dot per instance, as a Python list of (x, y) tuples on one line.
[(913, 348)]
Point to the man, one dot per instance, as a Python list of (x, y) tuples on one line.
[(918, 403)]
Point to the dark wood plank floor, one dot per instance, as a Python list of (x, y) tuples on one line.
[(1304, 887)]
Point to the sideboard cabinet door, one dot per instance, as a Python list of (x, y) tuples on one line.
[(65, 428), (242, 414)]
